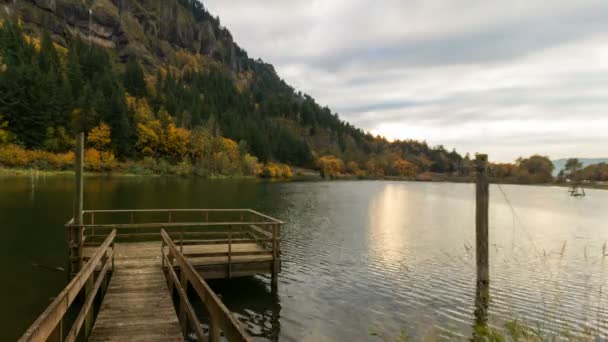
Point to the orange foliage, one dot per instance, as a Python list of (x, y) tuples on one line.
[(402, 167), (95, 160), (187, 61), (330, 166), (99, 137), (276, 170), (15, 156)]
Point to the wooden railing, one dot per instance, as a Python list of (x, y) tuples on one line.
[(220, 318), (146, 223), (49, 325), (186, 226)]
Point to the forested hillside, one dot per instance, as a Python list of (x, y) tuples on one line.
[(162, 81)]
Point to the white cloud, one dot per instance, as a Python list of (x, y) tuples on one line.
[(506, 78)]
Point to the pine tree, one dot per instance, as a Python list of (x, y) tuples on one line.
[(133, 79)]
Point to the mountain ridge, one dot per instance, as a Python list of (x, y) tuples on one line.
[(198, 75)]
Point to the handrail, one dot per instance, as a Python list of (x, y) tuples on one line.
[(50, 321), (220, 316), (161, 210), (169, 224), (265, 216)]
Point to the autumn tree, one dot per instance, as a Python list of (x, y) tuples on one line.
[(100, 137), (536, 169), (330, 166)]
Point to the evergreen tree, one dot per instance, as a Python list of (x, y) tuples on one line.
[(134, 79)]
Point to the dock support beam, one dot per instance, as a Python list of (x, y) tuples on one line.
[(275, 256), (76, 232), (482, 243)]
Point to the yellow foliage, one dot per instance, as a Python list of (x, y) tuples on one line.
[(36, 43), (231, 148), (148, 138), (175, 141), (100, 136), (33, 41), (140, 107), (251, 166), (15, 156), (330, 166), (404, 168), (187, 61), (199, 144), (276, 170), (95, 160)]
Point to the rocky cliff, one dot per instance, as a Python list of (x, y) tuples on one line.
[(152, 30)]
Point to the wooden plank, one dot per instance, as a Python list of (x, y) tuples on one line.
[(137, 305)]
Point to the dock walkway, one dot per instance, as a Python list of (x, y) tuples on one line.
[(146, 266), (137, 305)]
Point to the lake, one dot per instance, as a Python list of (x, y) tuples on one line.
[(360, 258)]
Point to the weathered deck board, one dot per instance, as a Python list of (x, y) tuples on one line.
[(137, 305)]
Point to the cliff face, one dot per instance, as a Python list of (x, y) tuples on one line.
[(152, 30)]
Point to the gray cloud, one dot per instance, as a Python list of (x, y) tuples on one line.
[(507, 78)]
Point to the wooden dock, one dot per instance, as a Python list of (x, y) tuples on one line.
[(137, 261)]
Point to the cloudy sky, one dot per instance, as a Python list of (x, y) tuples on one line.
[(507, 78)]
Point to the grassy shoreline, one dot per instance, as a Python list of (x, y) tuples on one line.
[(16, 172), (20, 172)]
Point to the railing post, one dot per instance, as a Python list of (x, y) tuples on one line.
[(182, 302), (275, 256), (229, 251), (88, 322), (214, 326), (181, 240), (482, 243)]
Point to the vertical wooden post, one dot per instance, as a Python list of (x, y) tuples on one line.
[(214, 326), (88, 321), (275, 256), (182, 303), (76, 234), (229, 252), (482, 244), (78, 168)]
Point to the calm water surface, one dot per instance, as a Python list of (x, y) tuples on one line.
[(358, 257)]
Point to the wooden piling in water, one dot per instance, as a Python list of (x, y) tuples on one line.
[(482, 240), (76, 232)]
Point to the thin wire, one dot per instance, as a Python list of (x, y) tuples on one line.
[(518, 219)]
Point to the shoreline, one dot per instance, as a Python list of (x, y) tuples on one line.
[(20, 172)]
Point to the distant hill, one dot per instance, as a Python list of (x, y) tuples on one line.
[(560, 164)]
